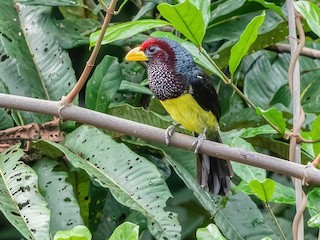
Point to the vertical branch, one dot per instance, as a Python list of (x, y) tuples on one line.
[(298, 114)]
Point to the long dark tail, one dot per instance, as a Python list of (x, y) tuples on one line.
[(213, 174)]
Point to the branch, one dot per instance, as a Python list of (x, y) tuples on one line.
[(154, 134), (308, 52)]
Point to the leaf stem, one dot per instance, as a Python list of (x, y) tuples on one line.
[(276, 221)]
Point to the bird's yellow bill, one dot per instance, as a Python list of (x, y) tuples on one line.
[(136, 55)]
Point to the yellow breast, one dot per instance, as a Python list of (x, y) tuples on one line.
[(186, 111)]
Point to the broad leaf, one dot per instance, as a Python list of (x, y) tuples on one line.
[(311, 13), (78, 233), (209, 232), (5, 119), (204, 7), (126, 30), (314, 207), (282, 194), (52, 62), (20, 200), (249, 35), (186, 18), (248, 223), (18, 74), (65, 211), (275, 117), (126, 231), (103, 84), (263, 190), (132, 179)]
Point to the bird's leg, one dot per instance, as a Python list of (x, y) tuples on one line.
[(199, 141), (169, 131)]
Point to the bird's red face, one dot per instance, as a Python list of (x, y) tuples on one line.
[(152, 49)]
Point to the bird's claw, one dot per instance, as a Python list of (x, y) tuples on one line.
[(199, 142), (169, 132)]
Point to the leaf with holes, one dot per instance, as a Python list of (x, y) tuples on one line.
[(52, 62), (133, 180), (20, 200), (65, 211), (186, 18)]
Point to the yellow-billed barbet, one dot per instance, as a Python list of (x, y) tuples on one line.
[(189, 97)]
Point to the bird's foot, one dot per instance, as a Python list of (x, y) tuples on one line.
[(199, 141), (169, 132)]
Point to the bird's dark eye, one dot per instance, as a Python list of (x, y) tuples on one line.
[(151, 49)]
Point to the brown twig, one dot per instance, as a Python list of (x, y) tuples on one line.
[(90, 63)]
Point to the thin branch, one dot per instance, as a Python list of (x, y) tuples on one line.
[(294, 22), (285, 48), (154, 134), (90, 63)]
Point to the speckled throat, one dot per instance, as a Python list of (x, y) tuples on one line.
[(164, 82)]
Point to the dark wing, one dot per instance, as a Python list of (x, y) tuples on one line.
[(205, 94)]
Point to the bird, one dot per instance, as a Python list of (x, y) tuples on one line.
[(190, 98)]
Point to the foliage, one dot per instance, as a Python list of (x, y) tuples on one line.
[(100, 184)]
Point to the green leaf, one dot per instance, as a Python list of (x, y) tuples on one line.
[(252, 132), (282, 194), (186, 18), (209, 232), (103, 84), (263, 190), (314, 201), (65, 211), (126, 30), (274, 116), (5, 119), (311, 13), (204, 7), (132, 179), (71, 3), (249, 35), (199, 57), (20, 201), (314, 207), (314, 221), (244, 171), (75, 32), (315, 133), (76, 233), (134, 87), (52, 62), (248, 222), (18, 74), (126, 231), (269, 5)]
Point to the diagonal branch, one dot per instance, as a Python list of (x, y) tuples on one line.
[(154, 134)]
